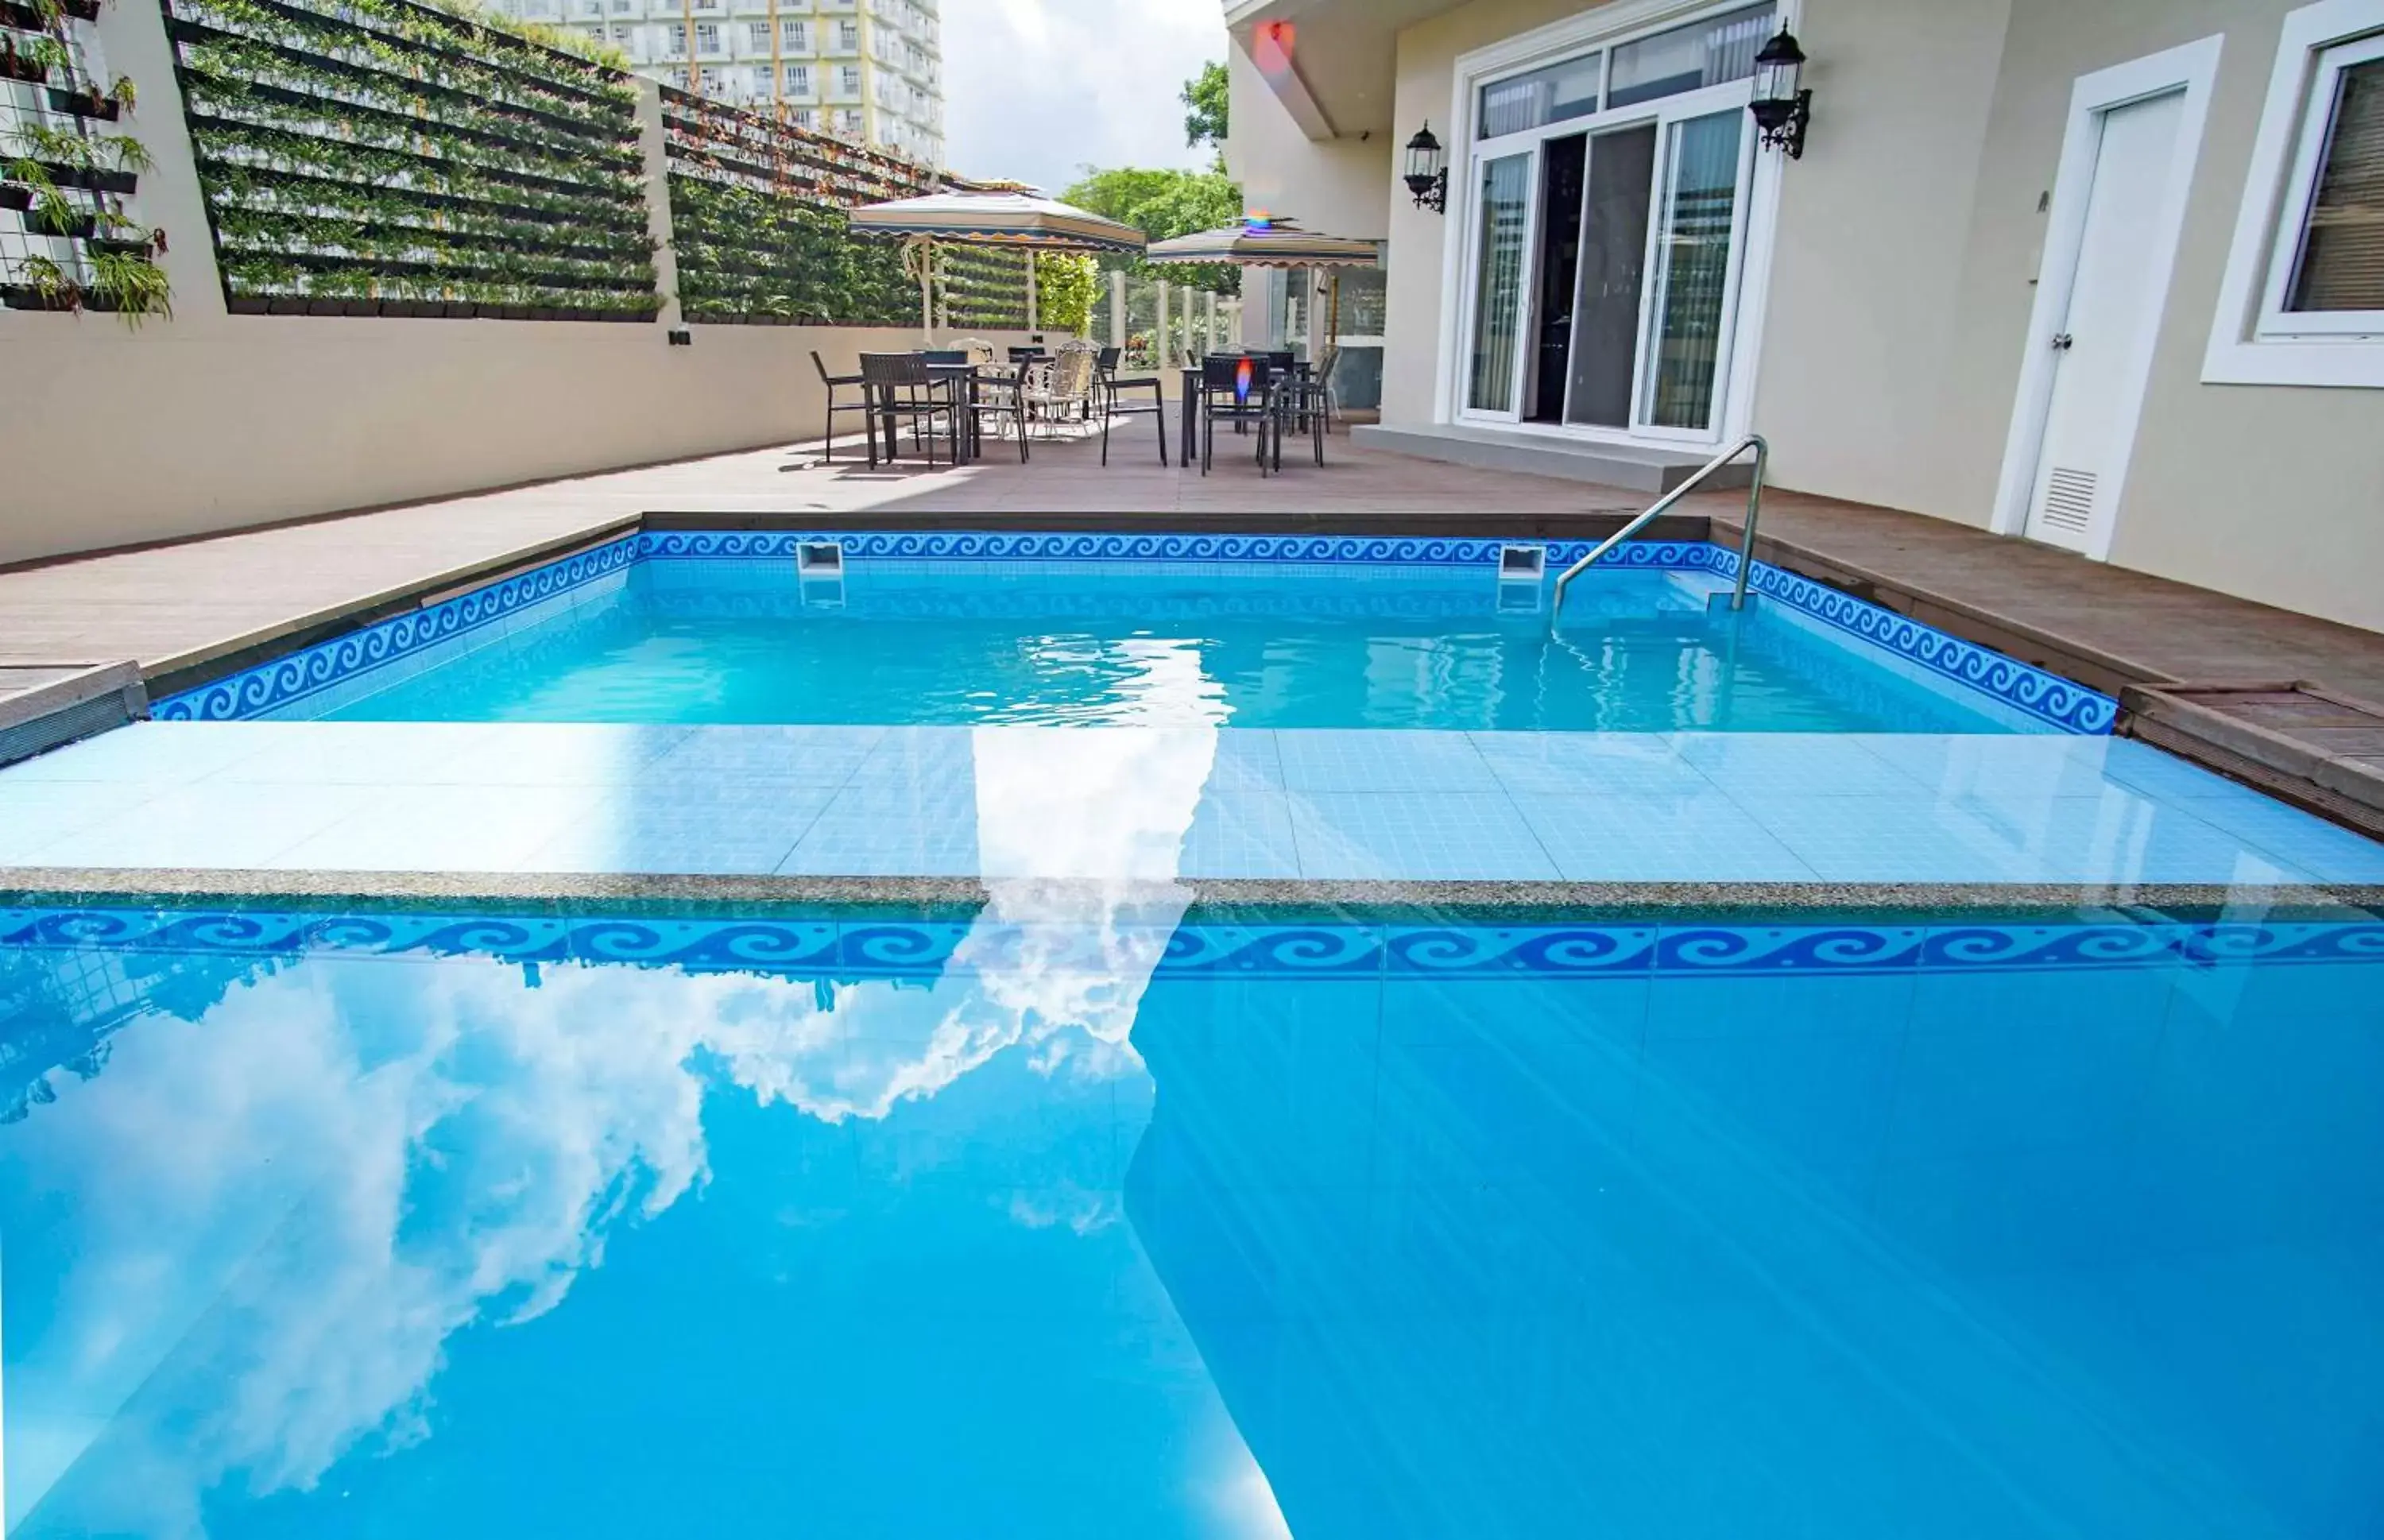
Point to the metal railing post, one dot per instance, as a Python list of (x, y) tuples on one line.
[(1746, 546)]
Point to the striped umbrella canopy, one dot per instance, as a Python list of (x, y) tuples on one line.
[(1262, 243), (996, 219)]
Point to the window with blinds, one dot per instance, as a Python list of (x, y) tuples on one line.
[(2341, 262)]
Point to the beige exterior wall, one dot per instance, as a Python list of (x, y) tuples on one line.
[(1340, 187), (2273, 492), (1907, 245), (210, 423)]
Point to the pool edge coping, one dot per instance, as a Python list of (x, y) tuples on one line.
[(25, 886)]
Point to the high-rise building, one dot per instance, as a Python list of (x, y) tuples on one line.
[(868, 70)]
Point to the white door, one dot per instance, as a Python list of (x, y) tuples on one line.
[(2110, 320)]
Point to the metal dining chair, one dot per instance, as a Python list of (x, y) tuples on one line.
[(901, 387), (834, 383), (1243, 390), (1111, 393)]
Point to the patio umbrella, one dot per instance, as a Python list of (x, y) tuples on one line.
[(1260, 242), (1000, 218)]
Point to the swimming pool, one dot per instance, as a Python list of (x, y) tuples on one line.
[(1120, 1221), (917, 630)]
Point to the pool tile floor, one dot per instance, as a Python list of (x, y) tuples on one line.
[(1155, 803)]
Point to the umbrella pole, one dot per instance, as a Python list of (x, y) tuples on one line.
[(1033, 298)]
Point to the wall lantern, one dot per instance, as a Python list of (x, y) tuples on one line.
[(1781, 110), (1428, 170)]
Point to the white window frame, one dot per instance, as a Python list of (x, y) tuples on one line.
[(1606, 27), (2253, 340), (2191, 70)]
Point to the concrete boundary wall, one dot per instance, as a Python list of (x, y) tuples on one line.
[(211, 422)]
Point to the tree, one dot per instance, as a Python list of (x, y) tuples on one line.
[(1163, 205), (1206, 94)]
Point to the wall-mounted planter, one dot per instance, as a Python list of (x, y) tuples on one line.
[(92, 178), (100, 246), (248, 304), (76, 228), (16, 199), (16, 66), (85, 103), (82, 11), (24, 296)]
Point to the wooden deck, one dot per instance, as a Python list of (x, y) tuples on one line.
[(186, 611)]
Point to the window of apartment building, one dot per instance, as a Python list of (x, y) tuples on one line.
[(804, 118), (795, 37), (848, 35), (848, 79), (847, 121), (707, 37), (799, 80), (707, 5), (675, 41), (757, 37), (711, 83), (2303, 303)]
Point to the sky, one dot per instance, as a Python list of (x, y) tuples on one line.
[(1033, 90)]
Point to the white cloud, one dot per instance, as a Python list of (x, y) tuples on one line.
[(1034, 90)]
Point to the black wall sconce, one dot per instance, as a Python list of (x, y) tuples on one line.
[(1428, 170), (1781, 110)]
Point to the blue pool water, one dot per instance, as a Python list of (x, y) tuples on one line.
[(1098, 1223), (1383, 647)]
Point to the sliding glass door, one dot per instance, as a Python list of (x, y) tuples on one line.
[(1612, 284), (1694, 272), (1502, 242)]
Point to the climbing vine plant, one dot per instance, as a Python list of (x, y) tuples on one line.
[(381, 157), (69, 167)]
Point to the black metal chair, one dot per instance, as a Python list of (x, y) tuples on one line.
[(834, 383), (1307, 403), (1109, 389), (1243, 390), (1029, 354), (901, 387)]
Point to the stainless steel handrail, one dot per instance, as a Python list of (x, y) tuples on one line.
[(1745, 546)]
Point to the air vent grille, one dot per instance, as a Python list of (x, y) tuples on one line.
[(2068, 500)]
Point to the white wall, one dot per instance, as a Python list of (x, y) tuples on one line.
[(1339, 187), (211, 421)]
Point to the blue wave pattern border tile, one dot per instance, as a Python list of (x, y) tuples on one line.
[(275, 686), (880, 947)]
